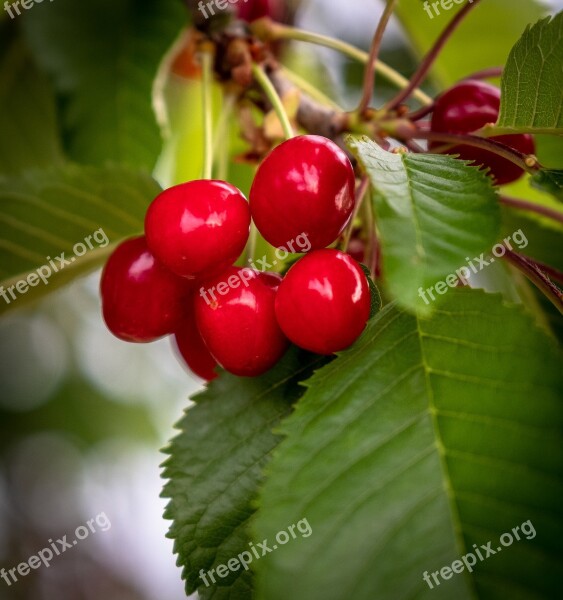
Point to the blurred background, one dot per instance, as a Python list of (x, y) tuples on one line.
[(83, 416)]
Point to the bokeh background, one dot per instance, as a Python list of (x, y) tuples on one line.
[(83, 416)]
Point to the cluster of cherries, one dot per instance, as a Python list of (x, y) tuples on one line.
[(466, 108), (161, 283)]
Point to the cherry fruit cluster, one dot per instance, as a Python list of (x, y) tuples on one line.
[(195, 232)]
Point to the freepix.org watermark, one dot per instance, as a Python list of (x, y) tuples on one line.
[(244, 559), (15, 6), (207, 9), (300, 244), (469, 560), (55, 548), (463, 274), (51, 267), (443, 4)]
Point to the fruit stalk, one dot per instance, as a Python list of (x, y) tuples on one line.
[(369, 76), (537, 276), (430, 58)]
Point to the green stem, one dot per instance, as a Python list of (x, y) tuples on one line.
[(310, 89), (361, 194), (369, 76), (275, 31), (206, 97), (274, 99), (222, 138)]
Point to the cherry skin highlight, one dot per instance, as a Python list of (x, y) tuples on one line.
[(141, 300), (199, 228), (304, 186), (467, 107), (236, 318), (323, 303), (191, 346)]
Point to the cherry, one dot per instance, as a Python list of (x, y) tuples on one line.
[(250, 10), (141, 300), (198, 229), (191, 346), (468, 106), (304, 186), (323, 303), (236, 318)]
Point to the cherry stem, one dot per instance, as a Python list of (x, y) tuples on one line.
[(420, 113), (361, 194), (266, 29), (374, 244), (274, 98), (550, 271), (526, 162), (310, 89), (544, 211), (430, 58), (369, 76), (491, 73), (206, 97), (221, 143), (537, 276)]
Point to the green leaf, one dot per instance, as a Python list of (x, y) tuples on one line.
[(432, 212), (28, 123), (215, 468), (532, 83), (550, 181), (103, 56), (376, 301), (46, 213), (490, 31), (426, 438)]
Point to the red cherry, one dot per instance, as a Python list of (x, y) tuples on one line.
[(304, 186), (191, 346), (236, 318), (466, 108), (141, 300), (250, 10), (323, 303), (199, 228)]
